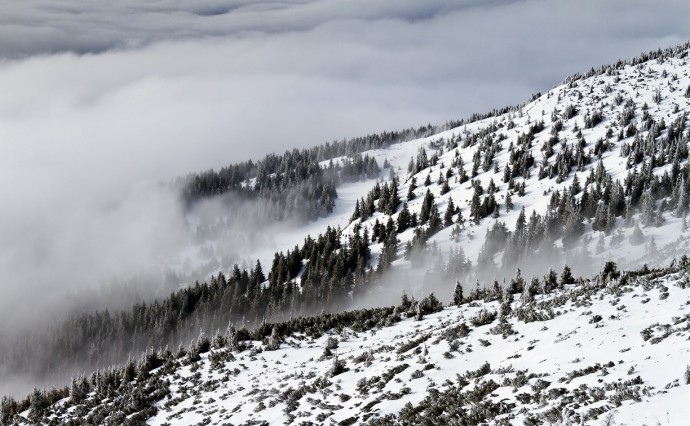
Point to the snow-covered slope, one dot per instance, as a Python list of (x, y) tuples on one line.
[(611, 348), (590, 113), (659, 92), (568, 355)]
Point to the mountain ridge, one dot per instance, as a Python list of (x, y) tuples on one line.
[(591, 123)]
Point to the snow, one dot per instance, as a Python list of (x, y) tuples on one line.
[(551, 349), (639, 82), (594, 328), (587, 94)]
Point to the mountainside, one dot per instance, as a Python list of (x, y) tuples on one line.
[(563, 351), (589, 161), (593, 171), (609, 146)]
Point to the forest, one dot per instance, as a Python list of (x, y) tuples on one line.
[(329, 273)]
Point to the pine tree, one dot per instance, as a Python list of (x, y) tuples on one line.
[(76, 391), (457, 294), (410, 193), (506, 174), (509, 202), (600, 218), (434, 220), (648, 209), (682, 203), (426, 207), (475, 205), (414, 221), (628, 219), (567, 276), (575, 188), (8, 407), (450, 212), (37, 405), (258, 275), (356, 213), (521, 224), (445, 188), (517, 283), (550, 281), (273, 341), (388, 253), (460, 220), (403, 218)]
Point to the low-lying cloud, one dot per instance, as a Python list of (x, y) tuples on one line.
[(99, 98)]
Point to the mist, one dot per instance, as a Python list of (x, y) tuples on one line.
[(104, 102), (430, 271)]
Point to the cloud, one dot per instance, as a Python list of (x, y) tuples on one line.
[(98, 97), (83, 26)]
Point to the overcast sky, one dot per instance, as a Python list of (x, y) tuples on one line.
[(97, 95)]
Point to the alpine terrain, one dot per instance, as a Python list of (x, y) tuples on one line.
[(523, 266)]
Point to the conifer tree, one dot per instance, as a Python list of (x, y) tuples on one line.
[(426, 207), (410, 193), (567, 276), (475, 205), (450, 212), (404, 218), (682, 203), (435, 223), (457, 294), (506, 174), (648, 209), (460, 220), (445, 188), (388, 253), (38, 405)]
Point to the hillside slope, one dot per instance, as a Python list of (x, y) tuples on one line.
[(611, 348), (594, 170), (599, 164), (624, 124), (621, 132)]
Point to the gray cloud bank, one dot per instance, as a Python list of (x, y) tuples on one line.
[(97, 97), (84, 26)]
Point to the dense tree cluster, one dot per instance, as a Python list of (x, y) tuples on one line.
[(679, 51), (383, 198), (292, 185), (331, 273), (128, 393)]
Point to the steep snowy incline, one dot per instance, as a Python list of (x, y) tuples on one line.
[(614, 347), (595, 170), (532, 152), (623, 122)]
